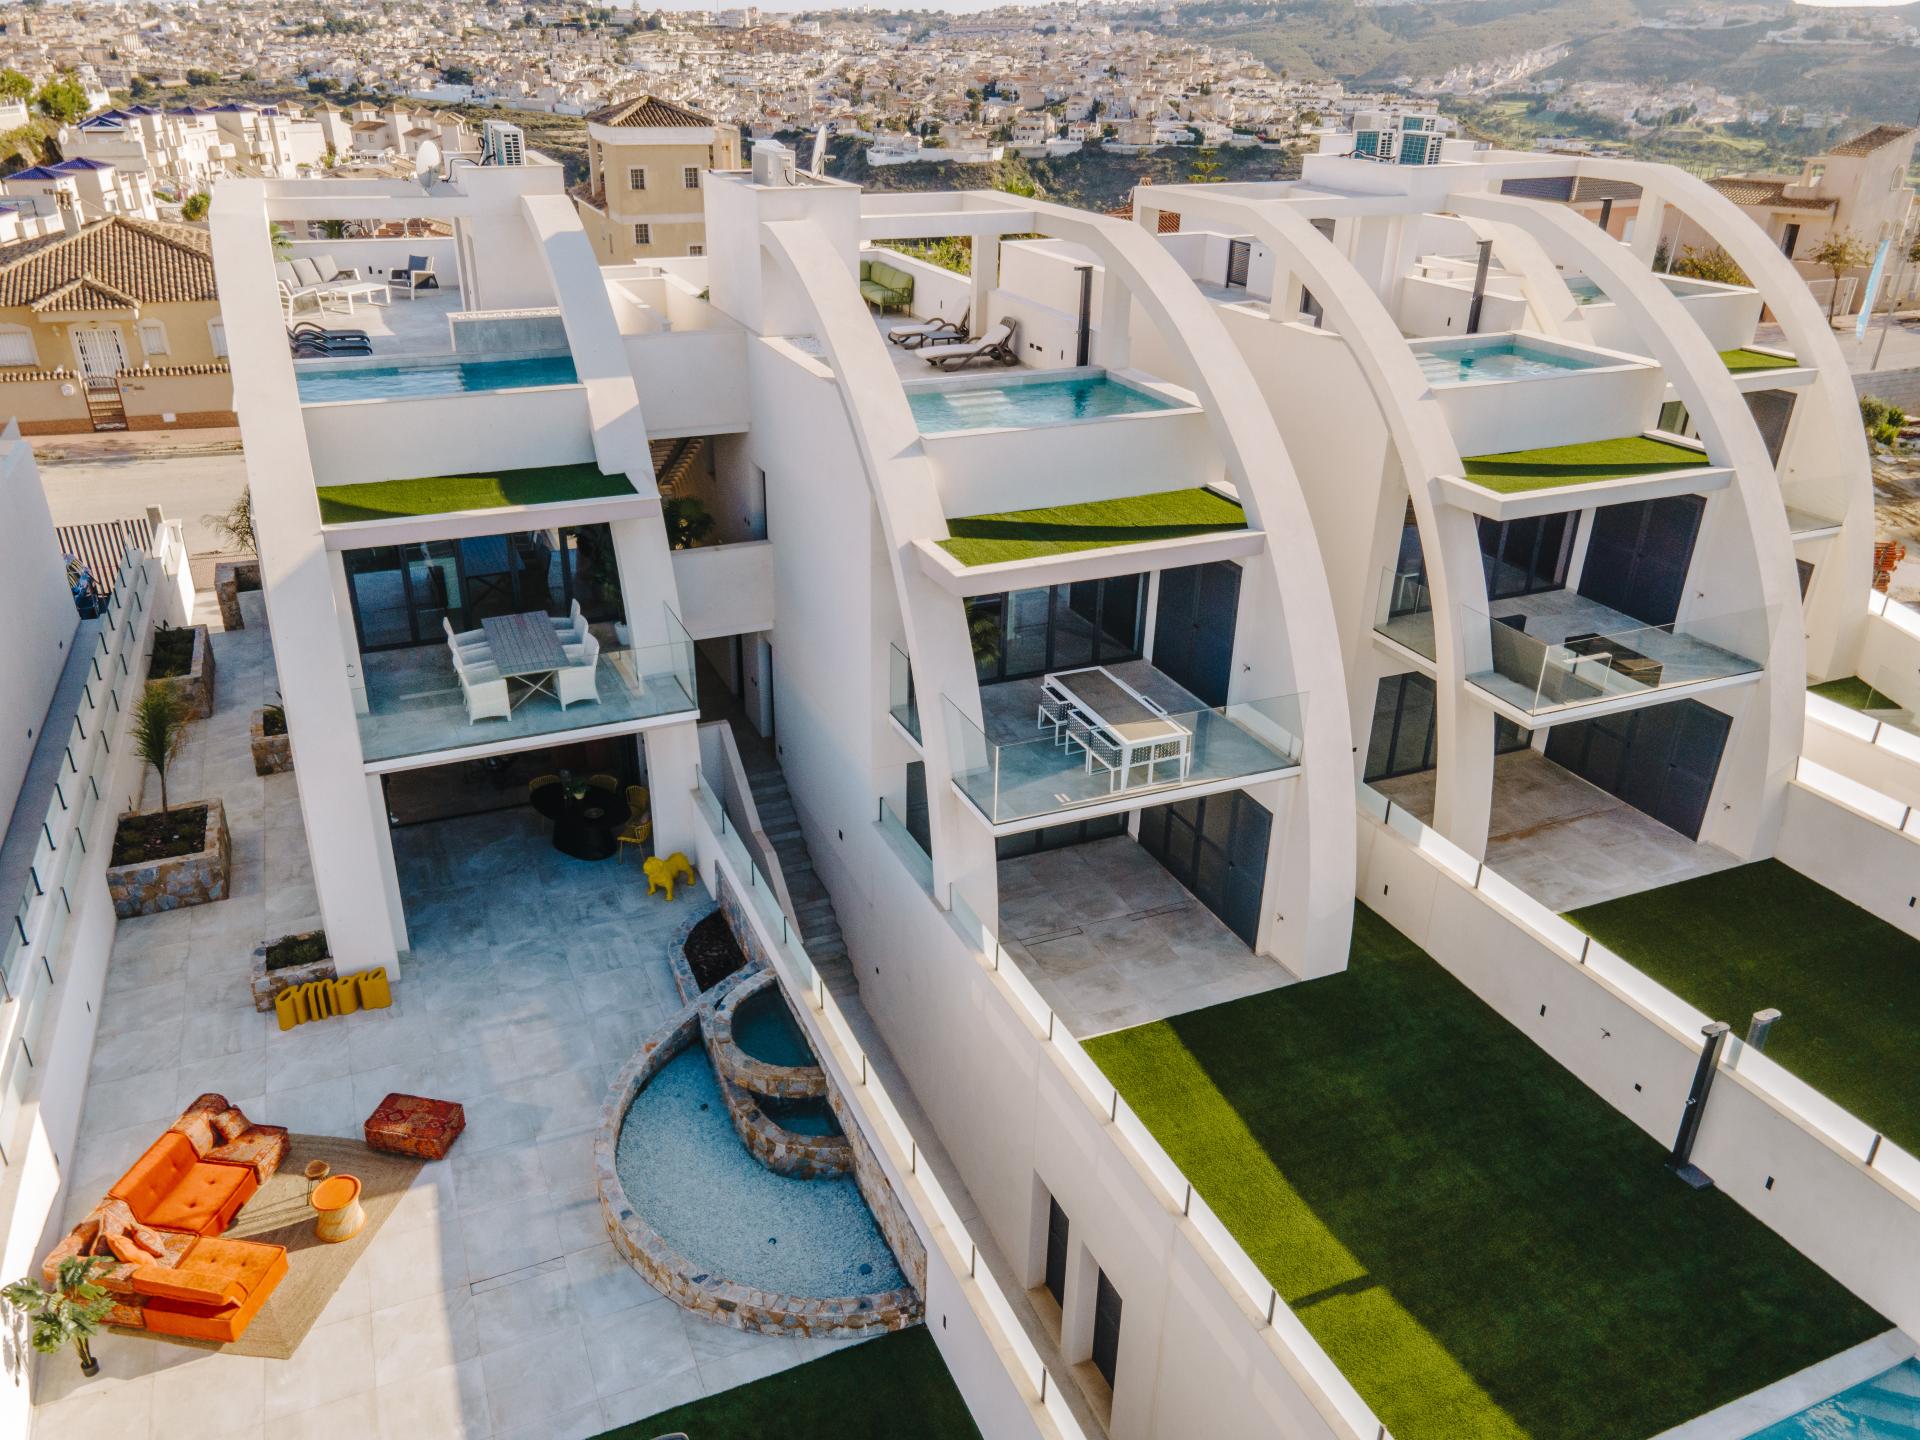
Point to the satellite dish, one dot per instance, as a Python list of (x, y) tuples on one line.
[(426, 163), (819, 162)]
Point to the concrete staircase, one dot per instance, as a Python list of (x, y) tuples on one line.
[(812, 906)]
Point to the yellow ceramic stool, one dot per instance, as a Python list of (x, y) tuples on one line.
[(336, 1200)]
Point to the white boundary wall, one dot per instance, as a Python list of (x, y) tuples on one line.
[(76, 947), (1857, 842), (1636, 1044)]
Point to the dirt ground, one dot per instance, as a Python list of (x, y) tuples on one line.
[(1896, 513)]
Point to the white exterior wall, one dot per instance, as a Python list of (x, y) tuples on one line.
[(41, 620)]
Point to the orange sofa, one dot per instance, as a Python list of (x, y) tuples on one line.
[(160, 1221)]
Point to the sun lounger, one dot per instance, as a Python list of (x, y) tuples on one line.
[(938, 330), (996, 344)]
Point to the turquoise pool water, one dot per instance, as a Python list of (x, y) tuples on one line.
[(380, 382), (1886, 1407), (765, 1029), (1033, 402), (1454, 362), (685, 1170), (1585, 292)]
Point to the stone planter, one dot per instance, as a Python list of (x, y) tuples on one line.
[(195, 688), (150, 887), (269, 983), (230, 577), (272, 754)]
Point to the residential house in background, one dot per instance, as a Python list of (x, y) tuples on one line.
[(112, 324), (646, 162), (1858, 187), (92, 189)]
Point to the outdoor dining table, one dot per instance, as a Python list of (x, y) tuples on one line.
[(1137, 729), (585, 826), (525, 648)]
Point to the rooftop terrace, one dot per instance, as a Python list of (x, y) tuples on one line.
[(1552, 467), (1486, 1249), (442, 494), (1763, 935), (1061, 529), (1747, 359)]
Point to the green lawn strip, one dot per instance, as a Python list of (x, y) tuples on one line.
[(1746, 359), (1057, 529), (1847, 984), (882, 1389), (1516, 471), (1482, 1245), (442, 494), (1854, 693)]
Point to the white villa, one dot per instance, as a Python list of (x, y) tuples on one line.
[(1171, 747)]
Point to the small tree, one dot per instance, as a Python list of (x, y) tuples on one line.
[(159, 730), (1714, 264), (1840, 252), (194, 207), (14, 85), (1205, 169), (1881, 419), (71, 1313), (236, 525), (62, 99)]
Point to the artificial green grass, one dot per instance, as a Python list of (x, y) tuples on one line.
[(1057, 529), (1746, 359), (442, 494), (1847, 984), (1513, 472), (882, 1389), (1484, 1246), (1854, 693)]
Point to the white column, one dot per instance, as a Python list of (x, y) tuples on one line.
[(1115, 321), (986, 276), (673, 753)]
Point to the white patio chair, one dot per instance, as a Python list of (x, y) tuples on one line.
[(1053, 715), (485, 691), (579, 679), (571, 628), (462, 639)]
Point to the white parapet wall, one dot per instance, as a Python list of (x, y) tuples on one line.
[(1859, 842), (40, 616), (1781, 1150), (463, 434)]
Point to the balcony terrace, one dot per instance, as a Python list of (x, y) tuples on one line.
[(457, 494), (977, 540), (1294, 1112), (1546, 479), (1020, 775)]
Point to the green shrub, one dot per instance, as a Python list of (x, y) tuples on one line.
[(1881, 419)]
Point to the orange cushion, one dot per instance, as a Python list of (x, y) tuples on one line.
[(154, 1175), (253, 1267), (192, 1287), (128, 1251), (205, 1199)]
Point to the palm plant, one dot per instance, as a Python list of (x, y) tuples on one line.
[(71, 1313), (159, 729)]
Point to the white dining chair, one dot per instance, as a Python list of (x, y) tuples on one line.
[(578, 680)]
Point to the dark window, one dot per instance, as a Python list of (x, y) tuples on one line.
[(1789, 240), (1059, 837), (1661, 760), (1056, 1276), (1772, 410), (1806, 575), (1106, 1328), (1410, 595), (1216, 846), (1638, 556), (1030, 632), (1405, 728), (1525, 557), (1193, 628), (916, 817), (1239, 259)]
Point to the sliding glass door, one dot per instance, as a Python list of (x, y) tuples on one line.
[(1033, 632)]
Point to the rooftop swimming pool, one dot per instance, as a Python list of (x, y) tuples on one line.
[(1585, 292), (1018, 404), (1482, 362), (449, 377), (1886, 1407)]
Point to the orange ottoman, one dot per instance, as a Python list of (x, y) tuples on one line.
[(414, 1125), (214, 1292), (336, 1201)]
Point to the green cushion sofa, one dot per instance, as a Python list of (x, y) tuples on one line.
[(881, 284)]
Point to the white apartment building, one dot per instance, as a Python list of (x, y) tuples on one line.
[(1282, 546), (91, 189)]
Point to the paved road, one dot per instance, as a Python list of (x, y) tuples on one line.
[(185, 487)]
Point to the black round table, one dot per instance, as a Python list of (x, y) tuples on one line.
[(587, 827)]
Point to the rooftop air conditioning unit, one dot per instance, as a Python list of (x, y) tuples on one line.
[(772, 163), (503, 144)]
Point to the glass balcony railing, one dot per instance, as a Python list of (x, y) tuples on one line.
[(1540, 675), (902, 703), (1404, 610), (419, 703), (1085, 762)]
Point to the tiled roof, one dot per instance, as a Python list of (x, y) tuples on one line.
[(1872, 140), (117, 261), (647, 112), (1743, 191)]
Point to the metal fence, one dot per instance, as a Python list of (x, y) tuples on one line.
[(101, 546)]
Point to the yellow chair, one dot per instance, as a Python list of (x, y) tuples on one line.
[(603, 782), (639, 801), (540, 782), (375, 992), (635, 832)]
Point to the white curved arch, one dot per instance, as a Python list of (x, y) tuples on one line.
[(1835, 614), (1726, 426), (1463, 783), (1320, 859)]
